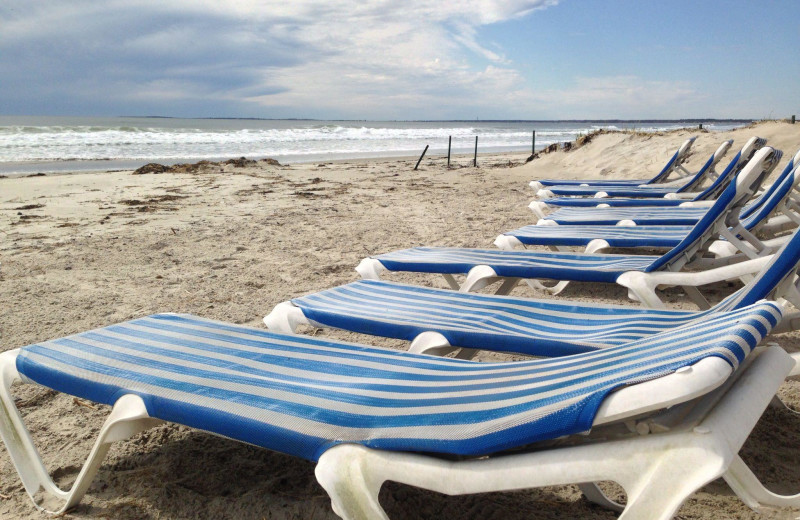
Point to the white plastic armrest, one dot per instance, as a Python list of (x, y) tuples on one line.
[(696, 279), (684, 195), (722, 249), (601, 195), (285, 318), (682, 385), (536, 185), (544, 193), (697, 204), (370, 269)]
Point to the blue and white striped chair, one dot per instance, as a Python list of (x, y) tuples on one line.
[(687, 190), (674, 165), (687, 213), (367, 415), (439, 321), (636, 272), (776, 199), (708, 169)]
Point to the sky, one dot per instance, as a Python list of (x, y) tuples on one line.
[(409, 59)]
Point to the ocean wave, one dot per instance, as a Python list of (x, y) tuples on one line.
[(210, 139)]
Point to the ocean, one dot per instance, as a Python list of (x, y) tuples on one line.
[(34, 144)]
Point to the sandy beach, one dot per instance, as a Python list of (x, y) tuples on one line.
[(229, 242)]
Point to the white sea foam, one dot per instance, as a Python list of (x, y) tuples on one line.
[(147, 139)]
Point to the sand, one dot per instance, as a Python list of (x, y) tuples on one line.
[(90, 249)]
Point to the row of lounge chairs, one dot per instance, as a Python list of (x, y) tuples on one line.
[(657, 400)]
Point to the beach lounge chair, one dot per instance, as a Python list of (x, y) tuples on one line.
[(543, 206), (687, 190), (636, 272), (440, 321), (707, 170), (661, 416), (599, 238), (667, 212), (674, 165)]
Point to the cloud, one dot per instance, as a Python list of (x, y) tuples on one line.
[(340, 58), (620, 97)]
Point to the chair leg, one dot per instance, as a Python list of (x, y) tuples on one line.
[(451, 281), (431, 343), (752, 492), (552, 289), (507, 285), (658, 474), (343, 471), (598, 245), (595, 495), (128, 417), (658, 471), (639, 289), (696, 296), (478, 277), (435, 344), (669, 480)]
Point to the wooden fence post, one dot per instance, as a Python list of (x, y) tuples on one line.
[(421, 156)]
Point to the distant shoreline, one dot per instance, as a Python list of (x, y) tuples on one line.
[(312, 119), (690, 120)]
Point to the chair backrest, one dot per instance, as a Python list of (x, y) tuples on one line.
[(770, 281), (724, 212), (676, 160), (734, 167), (712, 161), (755, 204), (772, 197)]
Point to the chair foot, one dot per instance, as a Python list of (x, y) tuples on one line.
[(596, 496), (285, 318), (431, 343), (556, 288), (479, 277), (370, 269), (539, 208), (596, 246), (344, 472), (128, 417), (507, 242), (752, 492)]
